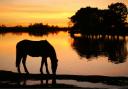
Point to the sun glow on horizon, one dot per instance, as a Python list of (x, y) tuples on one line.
[(23, 18), (25, 12)]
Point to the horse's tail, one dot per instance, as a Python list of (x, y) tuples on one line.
[(18, 57)]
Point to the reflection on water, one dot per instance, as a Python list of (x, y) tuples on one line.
[(115, 50), (42, 83), (99, 50), (76, 84), (89, 85), (69, 52)]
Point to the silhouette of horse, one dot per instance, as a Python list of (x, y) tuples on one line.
[(36, 49)]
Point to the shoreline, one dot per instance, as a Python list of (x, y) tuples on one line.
[(13, 79)]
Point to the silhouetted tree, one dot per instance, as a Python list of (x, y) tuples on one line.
[(116, 17), (36, 26), (119, 11), (91, 21), (84, 19)]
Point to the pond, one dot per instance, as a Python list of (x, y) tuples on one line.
[(77, 56)]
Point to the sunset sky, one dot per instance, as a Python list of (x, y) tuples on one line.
[(52, 12)]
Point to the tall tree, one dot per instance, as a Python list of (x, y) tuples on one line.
[(119, 11)]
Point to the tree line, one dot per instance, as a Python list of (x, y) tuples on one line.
[(38, 29), (96, 21)]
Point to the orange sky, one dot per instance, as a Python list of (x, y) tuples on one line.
[(52, 12)]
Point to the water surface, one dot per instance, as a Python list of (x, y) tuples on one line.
[(77, 56)]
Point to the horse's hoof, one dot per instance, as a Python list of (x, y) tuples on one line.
[(27, 73), (42, 73), (48, 73)]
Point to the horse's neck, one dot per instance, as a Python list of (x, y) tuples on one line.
[(53, 56)]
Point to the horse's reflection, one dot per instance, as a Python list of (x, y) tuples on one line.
[(47, 82), (43, 83), (36, 49)]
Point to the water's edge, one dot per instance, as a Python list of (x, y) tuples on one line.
[(12, 79)]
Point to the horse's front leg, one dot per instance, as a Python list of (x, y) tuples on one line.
[(18, 68), (41, 67), (24, 64), (46, 65)]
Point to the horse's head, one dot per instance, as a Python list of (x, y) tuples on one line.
[(54, 66)]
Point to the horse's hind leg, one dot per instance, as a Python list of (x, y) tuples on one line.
[(24, 64), (18, 66), (46, 65), (18, 60)]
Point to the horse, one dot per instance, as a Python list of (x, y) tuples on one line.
[(40, 48)]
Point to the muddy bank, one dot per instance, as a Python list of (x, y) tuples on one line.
[(12, 79)]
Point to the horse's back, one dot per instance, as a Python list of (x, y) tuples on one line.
[(35, 48), (32, 43)]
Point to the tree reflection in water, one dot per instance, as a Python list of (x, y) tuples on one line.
[(114, 49)]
